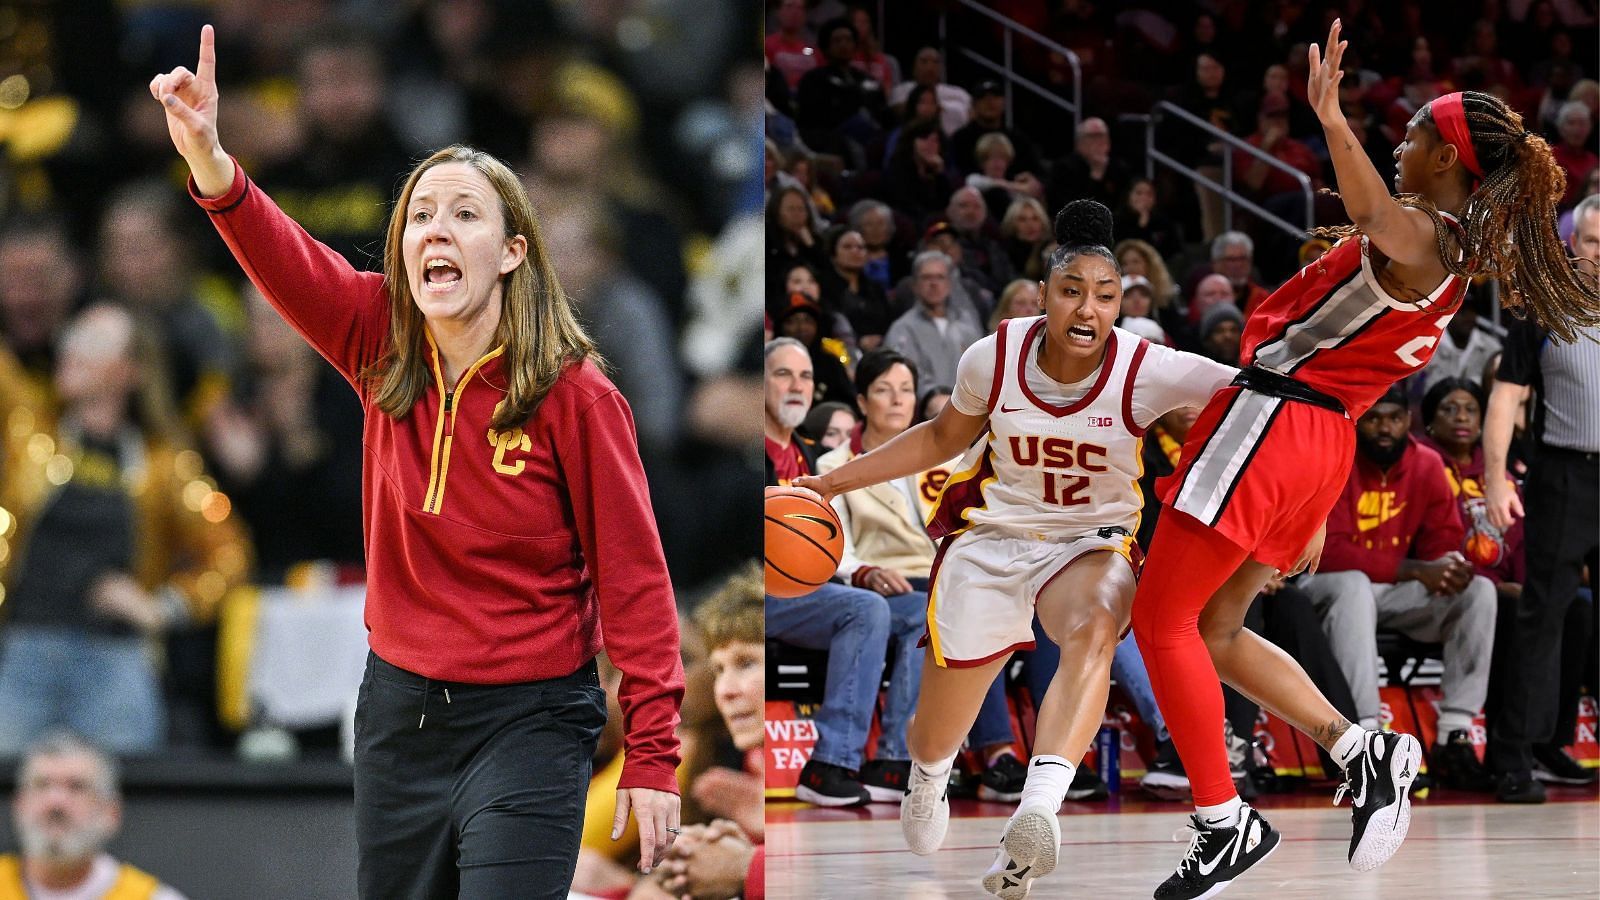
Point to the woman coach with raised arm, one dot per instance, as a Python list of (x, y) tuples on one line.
[(506, 518)]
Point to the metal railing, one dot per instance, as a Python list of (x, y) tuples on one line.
[(1005, 70), (1230, 197)]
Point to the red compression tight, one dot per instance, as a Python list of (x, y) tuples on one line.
[(1187, 563)]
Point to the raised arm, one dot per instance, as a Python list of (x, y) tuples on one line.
[(1404, 234), (190, 99)]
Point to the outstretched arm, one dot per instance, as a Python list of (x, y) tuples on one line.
[(1404, 234), (916, 449), (190, 99)]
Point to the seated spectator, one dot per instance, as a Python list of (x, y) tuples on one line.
[(1575, 123), (837, 103), (921, 103), (802, 167), (1393, 559), (791, 237), (1090, 171), (1139, 219), (124, 539), (1020, 299), (855, 296), (829, 424), (41, 277), (803, 320), (790, 50), (1024, 230), (982, 254), (1464, 348), (67, 809), (874, 221), (1272, 137), (920, 179), (1137, 257), (1233, 257), (801, 278), (850, 623), (1138, 300), (732, 622), (994, 156), (1567, 225), (969, 298), (927, 70), (989, 117), (1221, 329), (928, 333), (870, 58), (933, 402)]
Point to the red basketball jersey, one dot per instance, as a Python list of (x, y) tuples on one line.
[(1335, 328)]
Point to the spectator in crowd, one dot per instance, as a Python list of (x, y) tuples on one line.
[(1138, 300), (989, 117), (147, 264), (981, 250), (1020, 299), (125, 538), (1139, 219), (1272, 137), (829, 424), (802, 168), (1464, 347), (41, 277), (932, 401), (791, 239), (928, 334), (803, 319), (860, 299), (1233, 255), (927, 70), (67, 809), (994, 155), (1221, 328), (969, 299), (1393, 559), (1207, 98), (1562, 502), (1025, 232), (922, 103), (870, 58), (1090, 171), (1575, 124), (790, 49), (732, 622), (874, 221), (852, 624), (1482, 67), (838, 103), (1566, 225), (1138, 257), (920, 179)]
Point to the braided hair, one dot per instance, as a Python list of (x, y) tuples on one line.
[(1083, 226), (1508, 229)]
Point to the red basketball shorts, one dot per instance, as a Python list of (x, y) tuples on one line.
[(1263, 472)]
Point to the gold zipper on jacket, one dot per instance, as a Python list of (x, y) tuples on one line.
[(444, 432)]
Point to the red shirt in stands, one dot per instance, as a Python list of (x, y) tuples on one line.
[(788, 463), (1494, 554), (1384, 518), (794, 58), (493, 557)]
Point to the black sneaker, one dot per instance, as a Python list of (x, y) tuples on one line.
[(1165, 778), (1455, 765), (1519, 787), (1086, 785), (1552, 765), (886, 779), (1003, 781), (1217, 856), (822, 784), (1379, 783)]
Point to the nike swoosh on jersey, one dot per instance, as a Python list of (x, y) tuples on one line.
[(1011, 409)]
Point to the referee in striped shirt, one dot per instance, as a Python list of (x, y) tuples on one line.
[(1563, 517)]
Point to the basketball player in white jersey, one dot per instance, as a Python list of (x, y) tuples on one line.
[(1039, 519)]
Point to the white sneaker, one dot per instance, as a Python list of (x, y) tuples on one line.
[(1027, 851), (925, 811)]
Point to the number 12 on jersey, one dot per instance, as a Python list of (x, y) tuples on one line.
[(1065, 490)]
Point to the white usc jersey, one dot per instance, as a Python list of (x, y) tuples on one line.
[(1059, 467)]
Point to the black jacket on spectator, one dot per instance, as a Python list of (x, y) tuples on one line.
[(828, 97), (964, 143), (1073, 181), (867, 308), (1161, 232)]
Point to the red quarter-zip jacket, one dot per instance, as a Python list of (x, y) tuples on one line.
[(492, 557)]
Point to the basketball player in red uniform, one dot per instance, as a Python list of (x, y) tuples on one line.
[(1269, 455)]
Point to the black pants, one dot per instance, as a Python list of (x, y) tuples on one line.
[(1561, 496), (472, 791)]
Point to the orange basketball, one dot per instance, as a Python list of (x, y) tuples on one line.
[(803, 543)]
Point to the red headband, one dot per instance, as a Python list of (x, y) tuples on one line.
[(1451, 120)]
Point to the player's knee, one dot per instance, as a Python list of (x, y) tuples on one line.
[(1092, 630)]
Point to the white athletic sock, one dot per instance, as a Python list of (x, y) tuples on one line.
[(932, 771), (1048, 780), (1222, 815), (1452, 720), (1348, 746)]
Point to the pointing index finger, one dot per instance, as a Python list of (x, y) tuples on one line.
[(207, 68)]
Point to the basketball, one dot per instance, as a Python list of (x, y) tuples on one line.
[(803, 542)]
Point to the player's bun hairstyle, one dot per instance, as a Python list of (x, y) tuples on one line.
[(1083, 226)]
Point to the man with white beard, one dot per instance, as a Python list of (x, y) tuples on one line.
[(852, 624), (67, 808)]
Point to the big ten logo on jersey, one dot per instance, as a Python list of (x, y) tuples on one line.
[(931, 484), (1061, 488), (1417, 351), (505, 442)]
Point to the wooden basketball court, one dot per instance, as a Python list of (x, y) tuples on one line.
[(1124, 848)]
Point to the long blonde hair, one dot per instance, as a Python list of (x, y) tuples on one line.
[(538, 328)]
